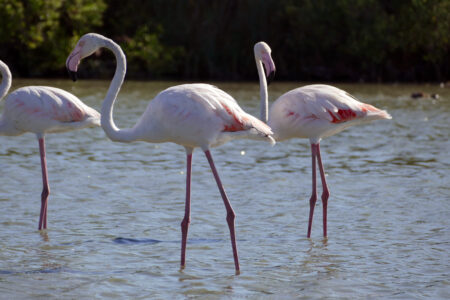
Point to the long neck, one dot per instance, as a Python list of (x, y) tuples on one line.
[(108, 125), (264, 116), (6, 80)]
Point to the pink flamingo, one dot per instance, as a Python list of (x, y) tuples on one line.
[(41, 110), (314, 112), (191, 115)]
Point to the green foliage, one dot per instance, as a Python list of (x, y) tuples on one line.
[(315, 40), (148, 56), (40, 33)]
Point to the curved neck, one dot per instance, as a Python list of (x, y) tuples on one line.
[(6, 80), (108, 125), (264, 115)]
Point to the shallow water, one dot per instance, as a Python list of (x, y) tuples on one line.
[(115, 209)]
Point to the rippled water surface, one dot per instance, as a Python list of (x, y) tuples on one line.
[(115, 209)]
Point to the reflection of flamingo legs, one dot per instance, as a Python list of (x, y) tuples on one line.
[(41, 109), (191, 115)]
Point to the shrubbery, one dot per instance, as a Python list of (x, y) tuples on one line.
[(312, 40)]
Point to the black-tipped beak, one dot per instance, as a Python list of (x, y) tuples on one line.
[(72, 74), (270, 77)]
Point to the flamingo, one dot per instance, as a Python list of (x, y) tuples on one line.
[(314, 112), (190, 115), (41, 110)]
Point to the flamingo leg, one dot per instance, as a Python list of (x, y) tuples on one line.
[(187, 209), (230, 213), (325, 191), (46, 188), (313, 199)]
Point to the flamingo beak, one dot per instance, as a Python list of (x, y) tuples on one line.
[(270, 77), (269, 67), (72, 62), (72, 75)]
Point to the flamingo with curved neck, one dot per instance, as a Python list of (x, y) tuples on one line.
[(314, 112), (191, 115), (41, 110)]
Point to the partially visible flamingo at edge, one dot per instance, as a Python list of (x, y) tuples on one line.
[(41, 110), (190, 115), (313, 112)]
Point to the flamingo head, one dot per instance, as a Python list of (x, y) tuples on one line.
[(263, 55), (86, 46)]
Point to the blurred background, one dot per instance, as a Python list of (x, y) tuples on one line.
[(321, 40)]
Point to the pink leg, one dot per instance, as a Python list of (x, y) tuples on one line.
[(313, 199), (187, 209), (46, 188), (230, 213), (325, 192)]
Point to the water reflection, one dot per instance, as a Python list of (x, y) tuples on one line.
[(115, 209), (44, 235)]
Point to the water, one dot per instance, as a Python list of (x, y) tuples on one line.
[(115, 209)]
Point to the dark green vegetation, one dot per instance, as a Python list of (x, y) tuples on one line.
[(311, 40)]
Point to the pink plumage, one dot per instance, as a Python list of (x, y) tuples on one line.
[(197, 115), (313, 112), (41, 110), (191, 115), (318, 111)]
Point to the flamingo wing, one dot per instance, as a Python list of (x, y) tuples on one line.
[(47, 109), (197, 115), (234, 118), (337, 106), (319, 111)]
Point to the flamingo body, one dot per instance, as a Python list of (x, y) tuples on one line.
[(314, 112), (41, 110), (191, 115), (318, 111), (197, 115)]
